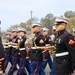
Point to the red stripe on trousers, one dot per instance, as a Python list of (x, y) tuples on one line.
[(6, 60), (22, 66), (36, 68), (14, 64)]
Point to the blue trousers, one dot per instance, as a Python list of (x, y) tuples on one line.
[(28, 67), (7, 60), (15, 60), (44, 63), (35, 65), (24, 63), (51, 64)]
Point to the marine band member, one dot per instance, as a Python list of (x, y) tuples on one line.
[(64, 60)]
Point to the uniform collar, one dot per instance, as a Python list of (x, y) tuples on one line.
[(62, 31), (46, 36), (15, 36), (23, 37), (38, 33)]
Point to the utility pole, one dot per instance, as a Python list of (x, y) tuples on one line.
[(31, 14), (31, 22), (31, 17)]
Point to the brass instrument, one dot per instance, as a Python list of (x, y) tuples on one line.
[(45, 48), (51, 49), (29, 45), (10, 44)]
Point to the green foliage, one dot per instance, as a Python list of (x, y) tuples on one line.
[(22, 25), (48, 21), (69, 14), (12, 27), (71, 24)]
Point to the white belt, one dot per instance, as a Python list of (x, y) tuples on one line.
[(14, 46), (22, 49), (6, 46), (33, 48), (47, 44), (61, 54), (10, 45)]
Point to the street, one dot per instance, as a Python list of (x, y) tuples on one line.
[(47, 70)]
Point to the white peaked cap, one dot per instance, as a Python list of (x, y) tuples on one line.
[(45, 29), (14, 30), (36, 24), (21, 29), (61, 19), (8, 33)]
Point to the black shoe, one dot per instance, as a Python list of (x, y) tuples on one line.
[(25, 74), (3, 71), (15, 69)]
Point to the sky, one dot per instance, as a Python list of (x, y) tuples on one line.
[(14, 12)]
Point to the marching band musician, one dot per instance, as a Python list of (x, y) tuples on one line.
[(14, 52), (24, 63), (36, 54), (64, 60), (46, 55), (8, 49), (1, 57)]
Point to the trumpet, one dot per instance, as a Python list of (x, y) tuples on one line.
[(29, 46), (51, 49), (10, 44), (45, 48)]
